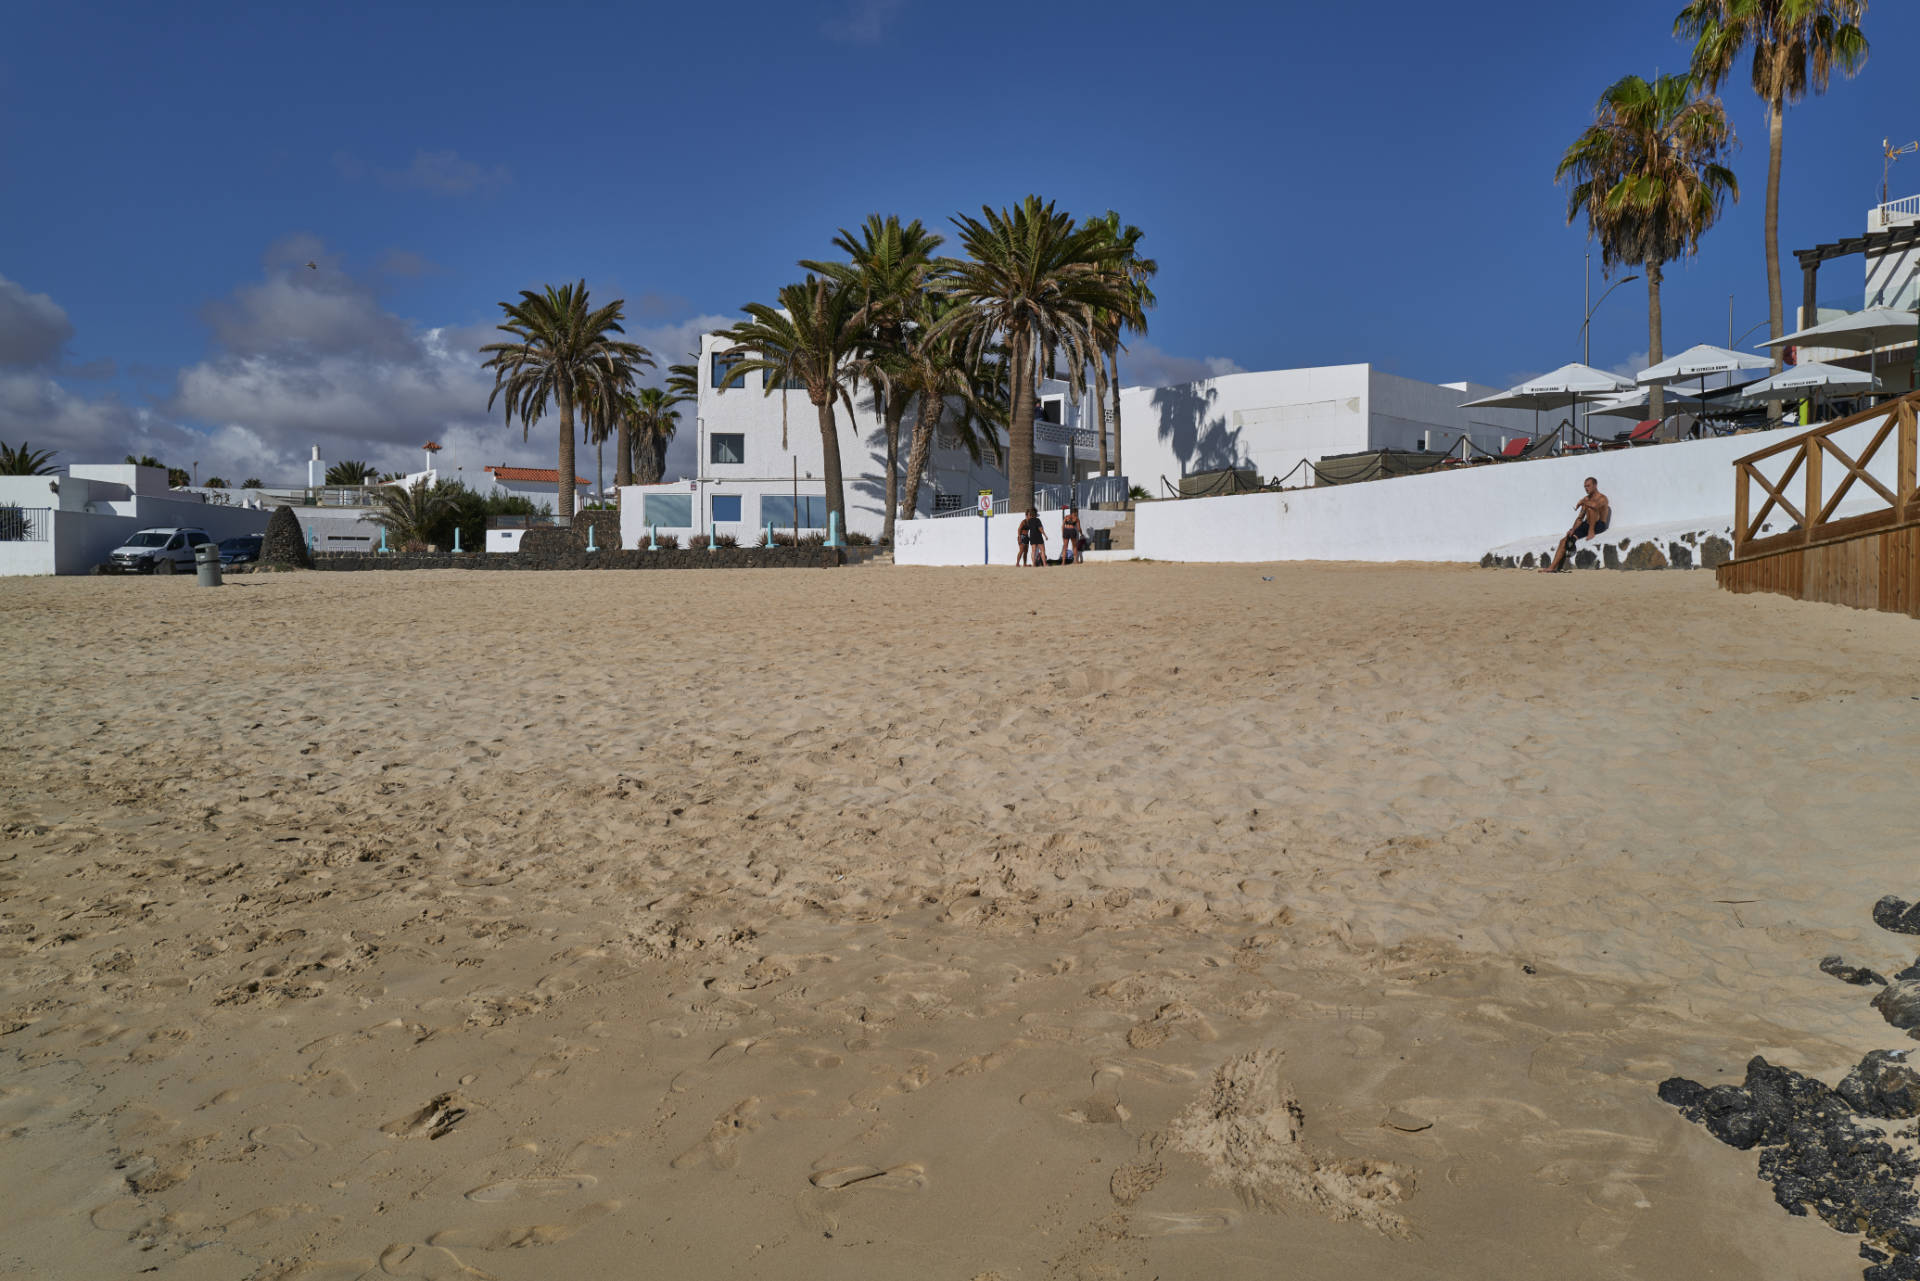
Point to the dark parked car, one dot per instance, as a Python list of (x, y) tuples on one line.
[(240, 551)]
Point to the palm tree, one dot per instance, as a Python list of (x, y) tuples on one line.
[(145, 460), (651, 420), (1648, 175), (1796, 46), (937, 369), (409, 512), (1123, 256), (22, 460), (563, 353), (352, 472), (216, 482), (888, 269), (253, 482), (177, 477), (1035, 282), (810, 339), (684, 380)]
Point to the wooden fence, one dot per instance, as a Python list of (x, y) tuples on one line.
[(1870, 558)]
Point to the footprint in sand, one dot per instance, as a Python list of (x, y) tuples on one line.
[(531, 1188), (525, 1236), (1103, 1106), (721, 1147), (327, 1270), (440, 1115), (908, 1177), (288, 1140), (1184, 1223), (426, 1262)]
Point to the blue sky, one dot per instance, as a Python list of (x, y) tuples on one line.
[(1318, 187)]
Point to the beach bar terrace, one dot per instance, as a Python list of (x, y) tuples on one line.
[(1849, 488)]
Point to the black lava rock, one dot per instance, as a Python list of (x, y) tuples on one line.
[(1858, 975), (284, 545), (1818, 1156), (1898, 915), (1899, 1004), (1884, 1085), (1911, 972)]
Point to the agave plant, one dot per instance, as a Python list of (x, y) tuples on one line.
[(22, 460), (409, 512)]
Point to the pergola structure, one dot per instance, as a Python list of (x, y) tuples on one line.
[(1892, 239)]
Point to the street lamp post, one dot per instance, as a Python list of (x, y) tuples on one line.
[(1586, 325)]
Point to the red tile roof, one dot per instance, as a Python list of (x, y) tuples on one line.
[(534, 475)]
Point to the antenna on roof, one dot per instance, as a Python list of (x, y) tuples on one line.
[(1893, 153)]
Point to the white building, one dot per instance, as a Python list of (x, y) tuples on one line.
[(68, 524), (1273, 421), (752, 469)]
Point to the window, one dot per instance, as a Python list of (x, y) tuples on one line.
[(174, 544), (1046, 465), (669, 511), (721, 364), (1050, 411), (777, 510), (770, 378), (196, 538), (726, 507), (949, 502), (727, 447)]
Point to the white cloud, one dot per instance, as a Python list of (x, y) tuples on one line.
[(863, 21), (447, 173), (1145, 365), (33, 327)]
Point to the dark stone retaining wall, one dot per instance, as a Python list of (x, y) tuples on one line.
[(560, 553)]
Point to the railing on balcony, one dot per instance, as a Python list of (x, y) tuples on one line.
[(1906, 209), (25, 524), (1809, 477)]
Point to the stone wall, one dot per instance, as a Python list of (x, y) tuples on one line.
[(560, 553)]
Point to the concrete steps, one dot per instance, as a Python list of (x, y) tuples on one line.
[(1123, 534)]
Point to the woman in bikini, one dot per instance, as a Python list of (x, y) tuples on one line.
[(1033, 537), (1070, 537)]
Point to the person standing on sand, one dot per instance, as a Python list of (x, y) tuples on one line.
[(1591, 516), (1033, 537), (1070, 536)]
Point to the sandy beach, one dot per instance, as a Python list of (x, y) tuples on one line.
[(1130, 921)]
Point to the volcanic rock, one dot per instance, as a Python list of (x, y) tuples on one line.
[(1898, 915), (284, 545), (1858, 975)]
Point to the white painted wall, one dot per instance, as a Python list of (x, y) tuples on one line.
[(1448, 516), (1271, 421), (956, 540), (93, 513)]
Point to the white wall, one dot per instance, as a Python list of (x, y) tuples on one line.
[(1273, 420), (1448, 516), (957, 540)]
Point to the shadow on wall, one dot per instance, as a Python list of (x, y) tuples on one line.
[(1199, 442)]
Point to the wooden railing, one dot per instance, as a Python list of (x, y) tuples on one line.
[(1821, 488)]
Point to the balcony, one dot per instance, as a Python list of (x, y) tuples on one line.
[(1895, 213)]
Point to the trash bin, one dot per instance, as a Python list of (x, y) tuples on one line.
[(206, 560), (1102, 539)]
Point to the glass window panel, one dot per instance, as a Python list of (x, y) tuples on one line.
[(669, 511), (726, 507), (721, 364), (777, 509), (727, 447)]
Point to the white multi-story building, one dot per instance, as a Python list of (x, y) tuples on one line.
[(759, 461)]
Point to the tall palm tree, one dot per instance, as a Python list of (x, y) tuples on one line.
[(810, 339), (1123, 256), (888, 267), (1036, 282), (1648, 173), (145, 460), (651, 420), (352, 472), (937, 369), (564, 353), (23, 460), (683, 380), (1796, 46)]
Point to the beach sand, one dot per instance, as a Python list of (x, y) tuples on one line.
[(1131, 921)]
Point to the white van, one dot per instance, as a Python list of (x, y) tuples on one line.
[(157, 551)]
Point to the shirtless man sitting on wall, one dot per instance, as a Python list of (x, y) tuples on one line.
[(1591, 516)]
